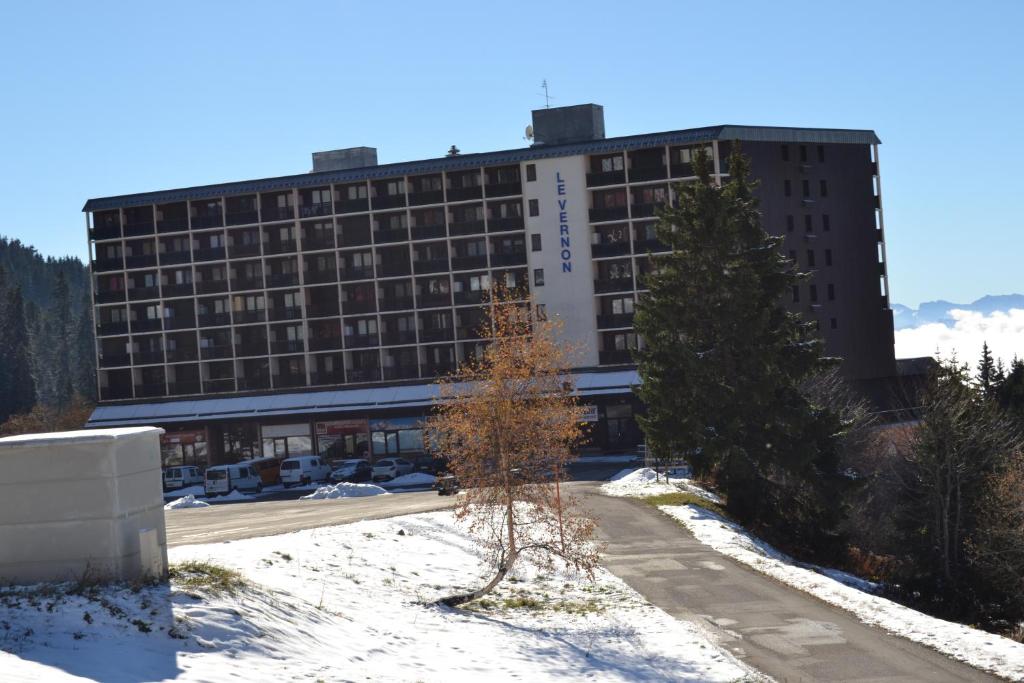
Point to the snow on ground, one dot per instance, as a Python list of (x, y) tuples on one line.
[(412, 479), (598, 459), (987, 651), (186, 502), (351, 603), (345, 490), (647, 482), (197, 490)]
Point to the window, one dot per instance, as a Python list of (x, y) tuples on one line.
[(831, 292), (823, 187), (828, 257), (789, 224), (792, 255), (796, 294), (826, 223), (538, 277), (622, 306), (534, 207), (810, 258), (808, 223), (535, 242), (785, 152), (806, 188), (833, 323), (542, 312), (609, 164), (531, 172), (812, 291), (787, 188), (821, 154)]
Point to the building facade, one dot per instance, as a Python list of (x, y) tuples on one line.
[(310, 313)]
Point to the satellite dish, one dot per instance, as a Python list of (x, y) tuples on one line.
[(529, 132)]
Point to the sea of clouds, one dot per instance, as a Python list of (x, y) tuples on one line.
[(1003, 330)]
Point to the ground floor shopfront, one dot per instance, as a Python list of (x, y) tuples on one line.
[(354, 423)]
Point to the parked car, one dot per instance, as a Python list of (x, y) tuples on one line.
[(389, 468), (269, 470), (223, 479), (180, 477), (303, 469), (355, 469)]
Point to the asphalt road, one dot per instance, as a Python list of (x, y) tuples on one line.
[(779, 630)]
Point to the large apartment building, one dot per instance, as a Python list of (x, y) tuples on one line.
[(311, 312)]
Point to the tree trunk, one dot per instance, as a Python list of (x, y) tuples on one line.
[(463, 598)]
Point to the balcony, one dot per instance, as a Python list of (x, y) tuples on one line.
[(217, 351), (364, 375), (180, 322), (109, 329), (436, 334), (241, 249), (433, 300), (211, 286), (333, 377), (254, 316), (437, 369), (618, 357), (170, 291), (278, 213), (209, 254), (680, 170), (639, 174), (214, 319), (108, 296), (504, 189), (113, 360), (318, 242), (243, 217), (652, 245), (505, 224), (150, 390), (251, 348), (615, 320), (606, 178), (179, 355), (398, 338), (148, 357), (359, 306), (169, 258), (646, 209), (395, 303), (393, 268), (402, 372), (319, 276), (469, 297), (139, 293), (210, 220), (104, 264), (427, 232), (361, 341), (459, 194), (352, 205), (105, 232), (466, 227), (183, 388), (280, 246), (388, 201), (179, 224), (140, 261), (388, 236), (609, 249), (288, 346), (139, 228), (285, 312), (617, 284), (220, 385), (515, 258), (469, 262), (282, 280), (322, 310), (325, 343), (355, 273), (429, 197), (437, 265), (614, 213), (315, 209), (254, 382)]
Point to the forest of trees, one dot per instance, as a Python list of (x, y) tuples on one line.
[(47, 356)]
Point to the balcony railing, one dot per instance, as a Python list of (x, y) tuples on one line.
[(104, 264), (653, 245), (319, 276), (363, 374), (181, 354), (140, 261), (288, 346), (388, 201), (428, 197), (322, 310), (148, 357), (243, 217), (388, 236), (179, 322), (617, 357), (110, 329), (468, 227), (332, 377), (254, 316), (216, 351), (315, 209), (138, 293), (395, 303), (314, 243), (241, 249), (646, 209), (427, 232), (149, 390), (106, 296), (251, 348), (114, 360), (325, 343), (280, 246), (220, 385), (505, 224), (613, 320), (361, 341), (172, 257), (612, 213), (209, 254), (639, 174), (282, 280), (105, 232), (353, 238), (172, 225), (285, 312), (352, 205), (212, 220), (458, 194), (347, 273), (681, 170), (393, 268), (251, 382), (214, 319), (617, 284), (278, 213), (183, 289), (504, 189), (606, 178), (138, 228), (515, 258), (436, 334), (609, 249), (469, 262), (398, 338), (183, 388), (402, 372), (436, 369), (211, 286), (359, 306), (437, 265), (469, 297), (433, 300)]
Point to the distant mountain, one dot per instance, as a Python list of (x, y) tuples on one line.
[(939, 311)]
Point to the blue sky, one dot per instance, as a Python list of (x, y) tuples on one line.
[(108, 98)]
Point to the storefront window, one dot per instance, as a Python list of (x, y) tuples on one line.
[(400, 436), (185, 448), (241, 441), (343, 439), (287, 441)]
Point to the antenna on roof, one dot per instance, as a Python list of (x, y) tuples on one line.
[(547, 97)]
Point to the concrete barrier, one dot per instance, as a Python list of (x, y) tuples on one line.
[(85, 504)]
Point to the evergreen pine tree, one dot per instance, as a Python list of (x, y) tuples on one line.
[(17, 393), (85, 354), (722, 361), (986, 371)]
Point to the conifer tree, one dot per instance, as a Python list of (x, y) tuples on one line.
[(722, 360), (986, 371), (17, 392)]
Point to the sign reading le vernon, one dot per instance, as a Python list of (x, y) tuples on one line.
[(563, 223)]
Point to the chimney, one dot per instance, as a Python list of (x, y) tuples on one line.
[(578, 123), (344, 159)]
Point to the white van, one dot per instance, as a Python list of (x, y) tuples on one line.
[(182, 476), (223, 479), (304, 469)]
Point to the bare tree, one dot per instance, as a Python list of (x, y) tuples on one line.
[(507, 422)]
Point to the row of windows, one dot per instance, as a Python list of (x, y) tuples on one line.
[(826, 223), (811, 260), (803, 152), (812, 293), (805, 188)]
